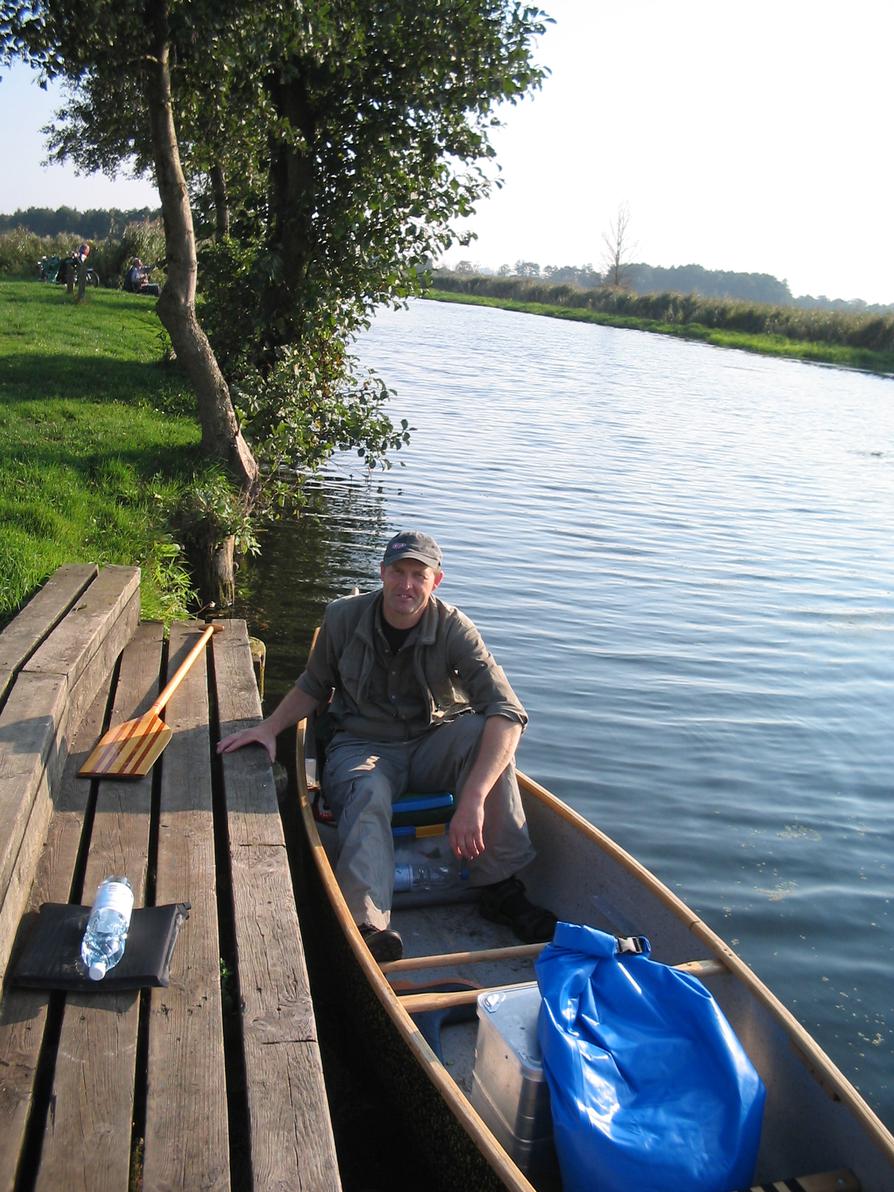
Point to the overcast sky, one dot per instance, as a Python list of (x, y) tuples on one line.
[(745, 136)]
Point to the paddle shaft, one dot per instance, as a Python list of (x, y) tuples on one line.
[(180, 673)]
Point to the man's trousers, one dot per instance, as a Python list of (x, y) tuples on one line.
[(361, 781)]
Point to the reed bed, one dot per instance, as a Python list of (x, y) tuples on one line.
[(864, 332)]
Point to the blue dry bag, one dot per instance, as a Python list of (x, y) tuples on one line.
[(649, 1087)]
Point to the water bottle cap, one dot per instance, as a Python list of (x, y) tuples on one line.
[(97, 970)]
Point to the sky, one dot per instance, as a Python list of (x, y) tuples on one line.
[(744, 136)]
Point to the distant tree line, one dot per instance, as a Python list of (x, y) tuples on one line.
[(640, 278), (94, 224)]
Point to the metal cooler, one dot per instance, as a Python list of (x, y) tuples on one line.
[(509, 1089)]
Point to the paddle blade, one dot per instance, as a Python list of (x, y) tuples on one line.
[(129, 750)]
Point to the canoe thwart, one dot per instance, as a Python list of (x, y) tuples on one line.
[(443, 959), (414, 1003), (696, 968)]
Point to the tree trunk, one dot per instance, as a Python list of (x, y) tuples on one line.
[(291, 185), (214, 570), (221, 203), (221, 436)]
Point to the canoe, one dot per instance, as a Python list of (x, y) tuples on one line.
[(420, 1015)]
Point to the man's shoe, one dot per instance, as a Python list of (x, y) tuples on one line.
[(505, 902), (383, 945)]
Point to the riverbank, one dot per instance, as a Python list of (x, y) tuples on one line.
[(811, 351), (97, 438)]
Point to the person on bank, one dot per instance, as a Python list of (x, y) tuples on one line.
[(137, 279), (418, 703)]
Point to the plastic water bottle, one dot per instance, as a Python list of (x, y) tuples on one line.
[(424, 876), (103, 943), (428, 867)]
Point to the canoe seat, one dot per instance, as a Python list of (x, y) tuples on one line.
[(825, 1181)]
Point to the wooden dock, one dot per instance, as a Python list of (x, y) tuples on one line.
[(215, 1081)]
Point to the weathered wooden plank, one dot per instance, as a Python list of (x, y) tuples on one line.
[(68, 649), (86, 1144), (38, 618), (23, 1011), (113, 595), (27, 790), (186, 1139), (29, 729), (49, 698), (291, 1137), (15, 896)]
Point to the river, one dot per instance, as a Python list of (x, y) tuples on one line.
[(682, 557)]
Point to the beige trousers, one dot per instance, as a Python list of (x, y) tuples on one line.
[(362, 779)]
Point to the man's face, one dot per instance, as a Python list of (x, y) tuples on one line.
[(406, 588)]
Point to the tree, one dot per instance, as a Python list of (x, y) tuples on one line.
[(347, 137), (105, 43), (335, 142), (618, 248)]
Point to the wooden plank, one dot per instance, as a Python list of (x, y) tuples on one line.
[(186, 1139), (50, 696), (23, 1012), (86, 1143), (38, 618), (29, 728), (290, 1129), (15, 896), (26, 835), (69, 648)]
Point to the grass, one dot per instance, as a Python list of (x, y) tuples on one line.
[(95, 438), (816, 351)]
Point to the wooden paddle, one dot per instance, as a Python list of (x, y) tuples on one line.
[(130, 749)]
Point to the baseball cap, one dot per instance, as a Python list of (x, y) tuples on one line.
[(410, 544)]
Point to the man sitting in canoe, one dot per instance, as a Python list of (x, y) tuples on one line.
[(418, 703)]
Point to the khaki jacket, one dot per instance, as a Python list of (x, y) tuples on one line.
[(442, 670)]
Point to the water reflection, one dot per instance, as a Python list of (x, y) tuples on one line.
[(333, 547)]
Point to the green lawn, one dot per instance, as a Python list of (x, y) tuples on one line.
[(95, 436)]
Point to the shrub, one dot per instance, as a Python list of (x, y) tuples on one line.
[(20, 250)]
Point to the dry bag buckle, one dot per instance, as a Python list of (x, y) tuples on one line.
[(632, 944)]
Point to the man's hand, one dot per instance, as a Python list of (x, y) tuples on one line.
[(294, 706), (261, 735), (495, 751), (466, 831)]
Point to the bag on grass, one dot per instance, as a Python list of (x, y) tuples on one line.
[(649, 1086)]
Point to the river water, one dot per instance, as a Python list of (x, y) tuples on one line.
[(682, 557)]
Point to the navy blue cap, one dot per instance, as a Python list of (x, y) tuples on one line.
[(410, 544)]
